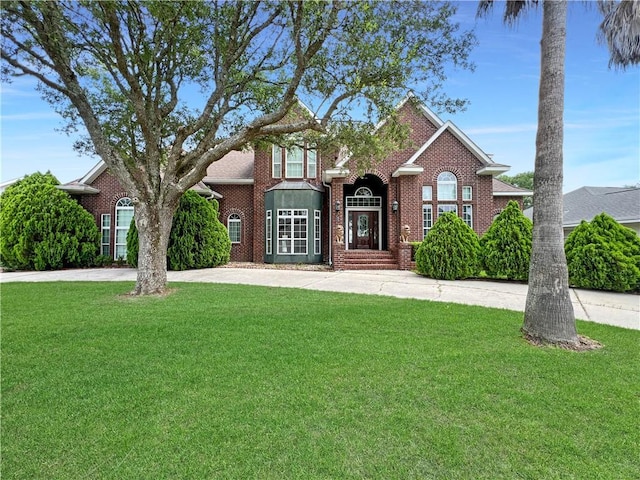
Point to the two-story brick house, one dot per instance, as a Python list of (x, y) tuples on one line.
[(295, 205)]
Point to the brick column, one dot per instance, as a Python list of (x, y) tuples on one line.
[(404, 256)]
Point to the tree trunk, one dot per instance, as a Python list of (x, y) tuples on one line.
[(549, 313), (154, 227)]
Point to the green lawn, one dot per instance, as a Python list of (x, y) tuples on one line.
[(225, 381)]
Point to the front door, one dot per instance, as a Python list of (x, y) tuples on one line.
[(363, 230)]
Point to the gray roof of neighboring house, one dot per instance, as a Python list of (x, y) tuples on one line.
[(621, 203)]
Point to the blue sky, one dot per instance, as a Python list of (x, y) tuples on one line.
[(602, 106)]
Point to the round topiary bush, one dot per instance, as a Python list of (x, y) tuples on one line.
[(505, 249), (197, 240), (450, 250), (603, 255), (43, 228)]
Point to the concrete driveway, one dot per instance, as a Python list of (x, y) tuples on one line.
[(618, 309)]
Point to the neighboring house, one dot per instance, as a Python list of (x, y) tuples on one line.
[(298, 205), (621, 203)]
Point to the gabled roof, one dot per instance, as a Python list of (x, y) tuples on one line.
[(623, 204), (409, 168), (422, 108), (82, 186), (489, 166), (504, 189)]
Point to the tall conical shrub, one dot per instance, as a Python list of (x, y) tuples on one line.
[(450, 251), (505, 249), (197, 240), (43, 228), (603, 255)]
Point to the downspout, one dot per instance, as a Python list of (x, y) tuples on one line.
[(330, 224)]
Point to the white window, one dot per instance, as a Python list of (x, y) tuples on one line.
[(276, 162), (312, 163), (294, 167), (427, 219), (427, 195), (467, 193), (447, 186), (234, 225), (124, 215), (317, 224), (292, 232), (447, 208), (268, 233), (105, 243), (467, 215)]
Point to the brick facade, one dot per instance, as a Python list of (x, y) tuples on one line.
[(433, 147)]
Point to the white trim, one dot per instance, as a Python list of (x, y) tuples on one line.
[(94, 173), (74, 188), (331, 173), (493, 170), (407, 170), (522, 193), (228, 181)]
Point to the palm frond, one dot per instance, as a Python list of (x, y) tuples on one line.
[(512, 11), (620, 31)]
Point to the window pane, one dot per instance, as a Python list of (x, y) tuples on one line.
[(427, 193), (447, 186), (427, 219), (311, 164), (467, 215), (467, 193), (316, 233), (268, 228), (447, 208), (295, 163), (276, 155)]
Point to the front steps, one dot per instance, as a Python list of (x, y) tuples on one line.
[(369, 260)]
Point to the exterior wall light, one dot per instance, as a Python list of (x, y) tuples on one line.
[(394, 206), (337, 205)]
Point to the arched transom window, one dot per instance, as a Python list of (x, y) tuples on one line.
[(124, 215), (447, 186), (234, 225)]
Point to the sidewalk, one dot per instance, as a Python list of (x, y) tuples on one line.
[(618, 309)]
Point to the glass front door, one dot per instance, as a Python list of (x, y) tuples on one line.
[(363, 230)]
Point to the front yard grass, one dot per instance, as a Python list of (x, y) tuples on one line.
[(240, 382)]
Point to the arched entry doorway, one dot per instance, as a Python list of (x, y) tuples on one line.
[(365, 214)]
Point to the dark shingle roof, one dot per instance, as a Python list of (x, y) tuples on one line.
[(621, 203)]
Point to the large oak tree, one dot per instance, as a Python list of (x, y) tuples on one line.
[(165, 88)]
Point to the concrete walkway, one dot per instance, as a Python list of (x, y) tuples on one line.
[(618, 309)]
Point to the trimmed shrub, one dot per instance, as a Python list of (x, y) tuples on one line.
[(43, 228), (198, 239), (603, 255), (505, 249), (449, 251)]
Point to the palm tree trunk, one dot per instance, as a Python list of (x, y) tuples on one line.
[(549, 313)]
